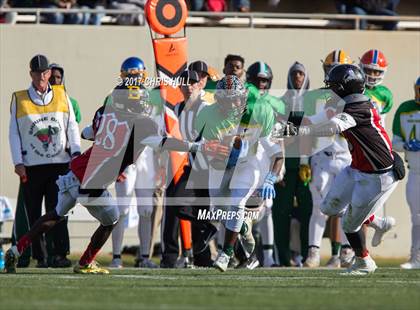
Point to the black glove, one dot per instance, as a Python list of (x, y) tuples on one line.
[(398, 168)]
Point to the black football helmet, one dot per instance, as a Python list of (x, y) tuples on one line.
[(259, 70), (345, 80), (131, 99)]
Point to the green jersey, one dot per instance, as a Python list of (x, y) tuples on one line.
[(76, 109), (407, 121), (254, 124), (405, 128), (254, 95), (381, 97)]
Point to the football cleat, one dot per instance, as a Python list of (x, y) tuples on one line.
[(251, 263), (414, 262), (361, 267), (10, 260), (389, 223), (333, 262), (222, 261), (145, 263), (116, 263), (314, 258), (91, 268), (346, 257)]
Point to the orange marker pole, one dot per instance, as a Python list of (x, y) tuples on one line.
[(167, 18)]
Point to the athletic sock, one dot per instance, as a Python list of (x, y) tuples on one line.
[(23, 243), (228, 249), (116, 256), (88, 256), (244, 229), (335, 248)]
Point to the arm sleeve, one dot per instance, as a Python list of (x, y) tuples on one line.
[(389, 102), (76, 109), (14, 136), (339, 123), (270, 147), (73, 134)]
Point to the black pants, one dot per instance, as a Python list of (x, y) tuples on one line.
[(41, 184), (182, 204)]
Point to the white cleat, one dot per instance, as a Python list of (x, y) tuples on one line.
[(116, 263), (333, 262), (314, 258), (222, 261), (389, 222), (413, 263), (361, 267), (347, 257)]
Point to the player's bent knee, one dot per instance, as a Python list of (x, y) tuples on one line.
[(106, 215)]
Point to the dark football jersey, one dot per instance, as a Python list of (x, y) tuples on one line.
[(117, 145), (369, 144)]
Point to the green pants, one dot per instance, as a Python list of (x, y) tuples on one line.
[(283, 207)]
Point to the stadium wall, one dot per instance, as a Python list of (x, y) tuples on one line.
[(91, 57)]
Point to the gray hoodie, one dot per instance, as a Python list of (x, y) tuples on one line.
[(294, 97)]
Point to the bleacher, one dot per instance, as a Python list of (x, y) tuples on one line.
[(235, 19)]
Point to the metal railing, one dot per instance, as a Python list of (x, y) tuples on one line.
[(250, 19)]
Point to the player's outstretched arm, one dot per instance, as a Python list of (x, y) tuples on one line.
[(172, 144)]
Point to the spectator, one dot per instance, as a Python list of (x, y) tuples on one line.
[(293, 198), (57, 78), (129, 5), (42, 125), (242, 5), (370, 7), (197, 5), (215, 6), (92, 18), (61, 18)]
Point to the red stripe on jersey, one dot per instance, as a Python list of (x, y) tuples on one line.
[(375, 120)]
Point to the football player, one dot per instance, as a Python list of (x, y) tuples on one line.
[(139, 179), (361, 188), (406, 138), (330, 158), (233, 180), (122, 130), (259, 78), (374, 65)]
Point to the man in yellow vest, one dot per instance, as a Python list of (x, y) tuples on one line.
[(43, 136)]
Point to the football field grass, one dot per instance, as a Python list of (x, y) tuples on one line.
[(274, 288)]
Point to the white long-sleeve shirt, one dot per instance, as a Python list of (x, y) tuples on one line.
[(41, 99)]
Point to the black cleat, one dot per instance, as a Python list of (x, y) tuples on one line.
[(10, 261)]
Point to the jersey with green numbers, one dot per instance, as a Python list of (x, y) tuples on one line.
[(407, 121), (381, 98), (215, 125)]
